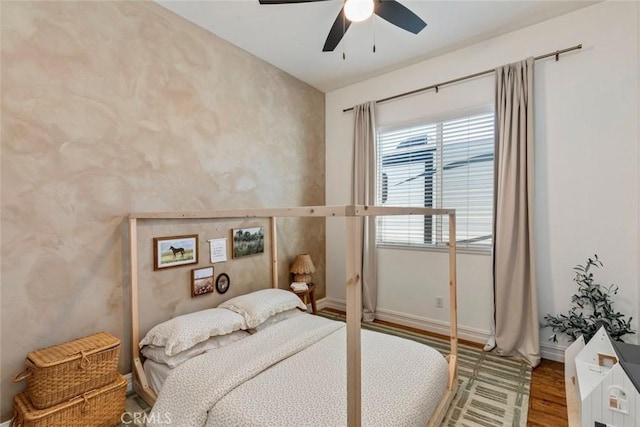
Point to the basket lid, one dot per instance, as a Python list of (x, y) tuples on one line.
[(71, 350)]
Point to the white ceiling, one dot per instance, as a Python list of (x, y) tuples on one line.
[(291, 36)]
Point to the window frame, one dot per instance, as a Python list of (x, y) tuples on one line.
[(423, 121)]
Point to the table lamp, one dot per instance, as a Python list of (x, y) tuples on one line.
[(302, 268)]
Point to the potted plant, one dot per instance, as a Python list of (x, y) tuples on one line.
[(593, 308)]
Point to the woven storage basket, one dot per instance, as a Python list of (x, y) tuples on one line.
[(58, 373), (101, 407)]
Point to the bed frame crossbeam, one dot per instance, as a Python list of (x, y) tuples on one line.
[(302, 211), (354, 217)]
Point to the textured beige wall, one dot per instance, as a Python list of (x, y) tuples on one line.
[(114, 107)]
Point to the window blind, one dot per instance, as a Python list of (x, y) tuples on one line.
[(445, 164)]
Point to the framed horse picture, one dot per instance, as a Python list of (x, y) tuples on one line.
[(174, 251)]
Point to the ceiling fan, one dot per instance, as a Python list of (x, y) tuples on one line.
[(390, 10)]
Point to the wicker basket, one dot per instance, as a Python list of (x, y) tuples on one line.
[(58, 373), (101, 407)]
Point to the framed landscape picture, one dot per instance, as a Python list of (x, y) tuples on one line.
[(248, 241), (174, 251), (201, 281)]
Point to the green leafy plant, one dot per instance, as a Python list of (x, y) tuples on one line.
[(593, 308)]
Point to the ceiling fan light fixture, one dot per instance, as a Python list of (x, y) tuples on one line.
[(358, 10)]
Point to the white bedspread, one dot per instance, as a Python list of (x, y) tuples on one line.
[(294, 374)]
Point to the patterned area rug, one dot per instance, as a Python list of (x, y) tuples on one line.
[(492, 391)]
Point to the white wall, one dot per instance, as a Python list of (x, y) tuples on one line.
[(587, 172)]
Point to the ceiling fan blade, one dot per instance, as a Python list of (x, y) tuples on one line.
[(399, 16), (339, 27), (287, 1)]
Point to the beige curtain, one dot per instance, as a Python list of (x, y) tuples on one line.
[(363, 193), (516, 311)]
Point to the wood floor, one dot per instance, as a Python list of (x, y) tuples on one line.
[(547, 402)]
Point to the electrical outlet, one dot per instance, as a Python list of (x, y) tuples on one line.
[(439, 302)]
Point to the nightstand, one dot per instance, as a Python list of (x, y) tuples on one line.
[(308, 293)]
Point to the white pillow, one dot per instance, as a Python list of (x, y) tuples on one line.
[(279, 317), (157, 354), (258, 306), (183, 332)]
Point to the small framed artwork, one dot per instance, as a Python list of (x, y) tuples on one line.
[(248, 241), (222, 283), (201, 281), (218, 250), (174, 251)]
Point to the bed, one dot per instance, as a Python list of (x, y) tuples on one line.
[(298, 367), (303, 370)]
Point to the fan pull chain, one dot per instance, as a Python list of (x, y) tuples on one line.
[(373, 18), (344, 39)]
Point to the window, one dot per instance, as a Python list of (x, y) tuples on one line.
[(446, 164)]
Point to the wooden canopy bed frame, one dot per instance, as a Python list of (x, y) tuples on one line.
[(354, 216)]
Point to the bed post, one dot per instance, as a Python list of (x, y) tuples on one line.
[(453, 302), (452, 358), (133, 258), (139, 378), (354, 312), (274, 252)]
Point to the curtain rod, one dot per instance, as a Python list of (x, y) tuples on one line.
[(557, 54)]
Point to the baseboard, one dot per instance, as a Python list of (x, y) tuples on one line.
[(129, 378), (430, 325), (322, 303), (550, 351)]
